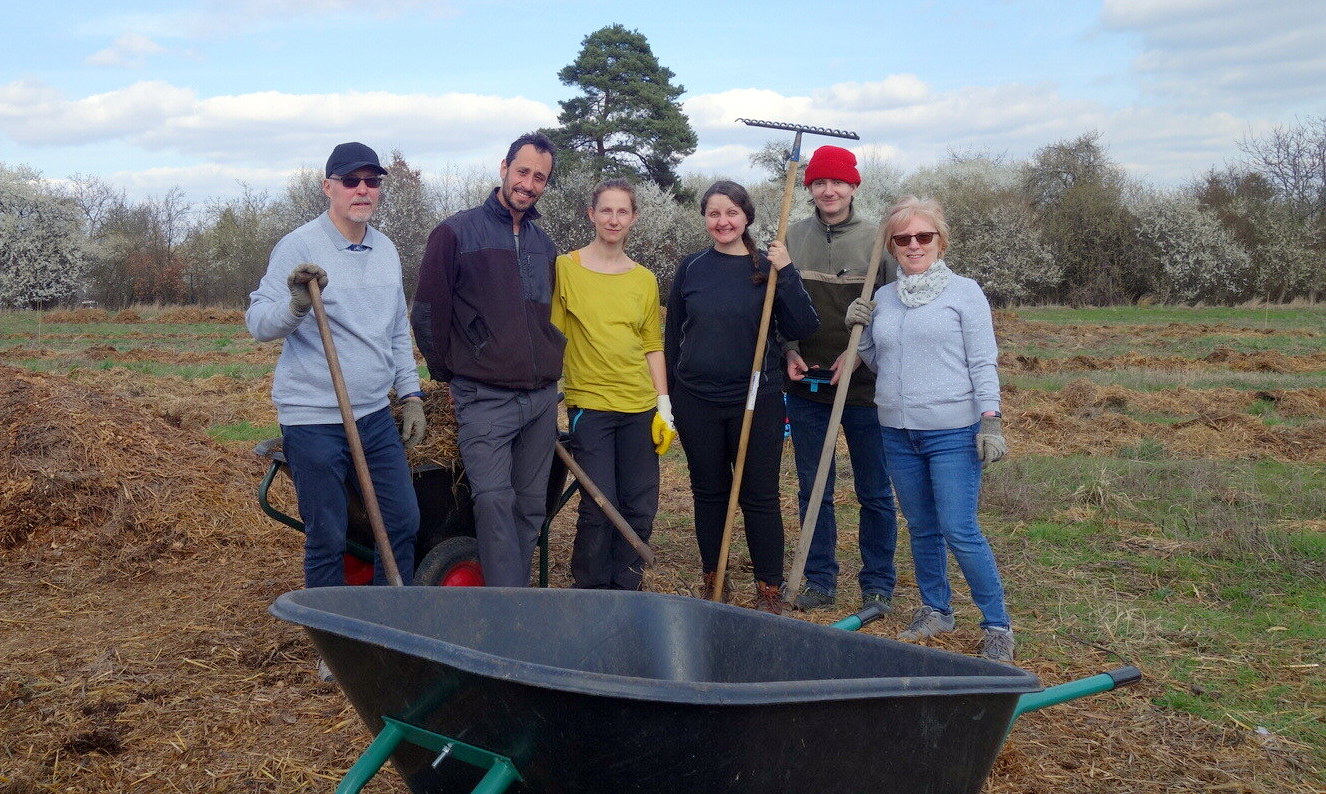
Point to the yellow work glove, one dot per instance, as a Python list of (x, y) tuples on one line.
[(663, 429)]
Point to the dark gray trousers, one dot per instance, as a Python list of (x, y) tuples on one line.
[(506, 439)]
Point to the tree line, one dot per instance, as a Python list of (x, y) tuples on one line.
[(1066, 225)]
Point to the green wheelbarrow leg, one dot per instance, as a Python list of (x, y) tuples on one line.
[(384, 744), (501, 771)]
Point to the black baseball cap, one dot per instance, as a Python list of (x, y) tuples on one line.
[(347, 158)]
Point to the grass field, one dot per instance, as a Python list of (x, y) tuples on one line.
[(1164, 505)]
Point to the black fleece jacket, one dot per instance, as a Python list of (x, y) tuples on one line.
[(482, 310)]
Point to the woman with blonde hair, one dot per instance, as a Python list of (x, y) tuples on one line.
[(618, 411), (930, 340)]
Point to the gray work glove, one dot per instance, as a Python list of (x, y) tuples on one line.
[(990, 443), (298, 282), (859, 312), (413, 424)]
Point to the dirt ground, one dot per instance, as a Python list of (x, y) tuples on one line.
[(137, 654)]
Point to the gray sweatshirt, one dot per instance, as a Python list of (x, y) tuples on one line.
[(365, 305), (936, 365)]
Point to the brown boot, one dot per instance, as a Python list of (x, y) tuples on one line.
[(710, 579), (768, 598)]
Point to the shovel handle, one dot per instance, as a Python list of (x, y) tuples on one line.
[(366, 491)]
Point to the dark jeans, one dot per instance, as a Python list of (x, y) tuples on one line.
[(320, 465), (506, 439), (878, 527), (937, 477), (616, 450), (709, 434)]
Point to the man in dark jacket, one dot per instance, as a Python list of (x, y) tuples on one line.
[(481, 317), (832, 251)]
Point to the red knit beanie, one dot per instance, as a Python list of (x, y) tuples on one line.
[(832, 162)]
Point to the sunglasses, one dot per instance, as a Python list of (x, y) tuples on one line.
[(352, 182), (924, 238)]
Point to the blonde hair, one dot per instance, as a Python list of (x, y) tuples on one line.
[(908, 207)]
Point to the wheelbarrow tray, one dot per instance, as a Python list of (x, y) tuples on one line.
[(610, 691)]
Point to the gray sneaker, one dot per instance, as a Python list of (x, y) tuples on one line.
[(927, 622), (325, 673), (997, 645), (813, 598), (883, 599)]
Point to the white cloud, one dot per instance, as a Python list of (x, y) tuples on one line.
[(267, 128), (919, 126), (1226, 53), (129, 50)]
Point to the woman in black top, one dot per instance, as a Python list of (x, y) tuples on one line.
[(713, 319)]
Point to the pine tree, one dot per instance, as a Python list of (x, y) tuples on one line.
[(628, 121)]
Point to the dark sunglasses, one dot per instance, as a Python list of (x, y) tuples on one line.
[(352, 182), (924, 238)]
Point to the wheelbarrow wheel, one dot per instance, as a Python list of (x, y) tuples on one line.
[(452, 563)]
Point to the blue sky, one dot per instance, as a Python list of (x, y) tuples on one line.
[(209, 94)]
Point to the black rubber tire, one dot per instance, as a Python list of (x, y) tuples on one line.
[(444, 557)]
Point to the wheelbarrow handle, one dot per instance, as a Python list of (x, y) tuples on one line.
[(873, 611), (1073, 690)]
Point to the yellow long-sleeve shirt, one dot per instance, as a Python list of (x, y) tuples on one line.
[(610, 321)]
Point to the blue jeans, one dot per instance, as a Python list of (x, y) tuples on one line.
[(320, 465), (937, 478), (878, 527)]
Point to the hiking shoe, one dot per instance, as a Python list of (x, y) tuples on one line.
[(325, 673), (768, 598), (884, 599), (813, 598), (927, 622), (997, 645)]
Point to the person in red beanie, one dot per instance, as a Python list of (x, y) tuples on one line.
[(832, 250)]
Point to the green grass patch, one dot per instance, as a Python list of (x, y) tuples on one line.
[(68, 366), (1202, 573), (244, 431), (1279, 317)]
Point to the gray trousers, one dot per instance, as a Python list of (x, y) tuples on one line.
[(506, 439)]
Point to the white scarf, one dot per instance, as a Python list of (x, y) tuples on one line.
[(920, 289)]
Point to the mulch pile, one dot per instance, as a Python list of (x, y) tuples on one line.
[(1220, 358), (1085, 418), (82, 472)]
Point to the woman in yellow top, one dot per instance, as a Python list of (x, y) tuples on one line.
[(618, 410)]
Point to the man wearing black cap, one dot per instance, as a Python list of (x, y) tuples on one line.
[(359, 271), (483, 318)]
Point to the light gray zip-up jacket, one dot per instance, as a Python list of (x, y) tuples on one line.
[(936, 365)]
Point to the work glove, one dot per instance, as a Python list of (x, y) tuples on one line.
[(298, 282), (859, 312), (663, 428), (413, 424), (990, 443)]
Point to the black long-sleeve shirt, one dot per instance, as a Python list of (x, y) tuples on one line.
[(713, 320)]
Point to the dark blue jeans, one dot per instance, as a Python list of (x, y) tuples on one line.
[(878, 526), (937, 478), (320, 465)]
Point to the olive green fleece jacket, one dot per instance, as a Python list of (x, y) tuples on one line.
[(832, 261)]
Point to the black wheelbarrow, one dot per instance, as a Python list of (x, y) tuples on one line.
[(489, 690), (445, 552)]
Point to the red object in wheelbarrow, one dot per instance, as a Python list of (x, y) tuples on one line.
[(528, 690), (446, 552)]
